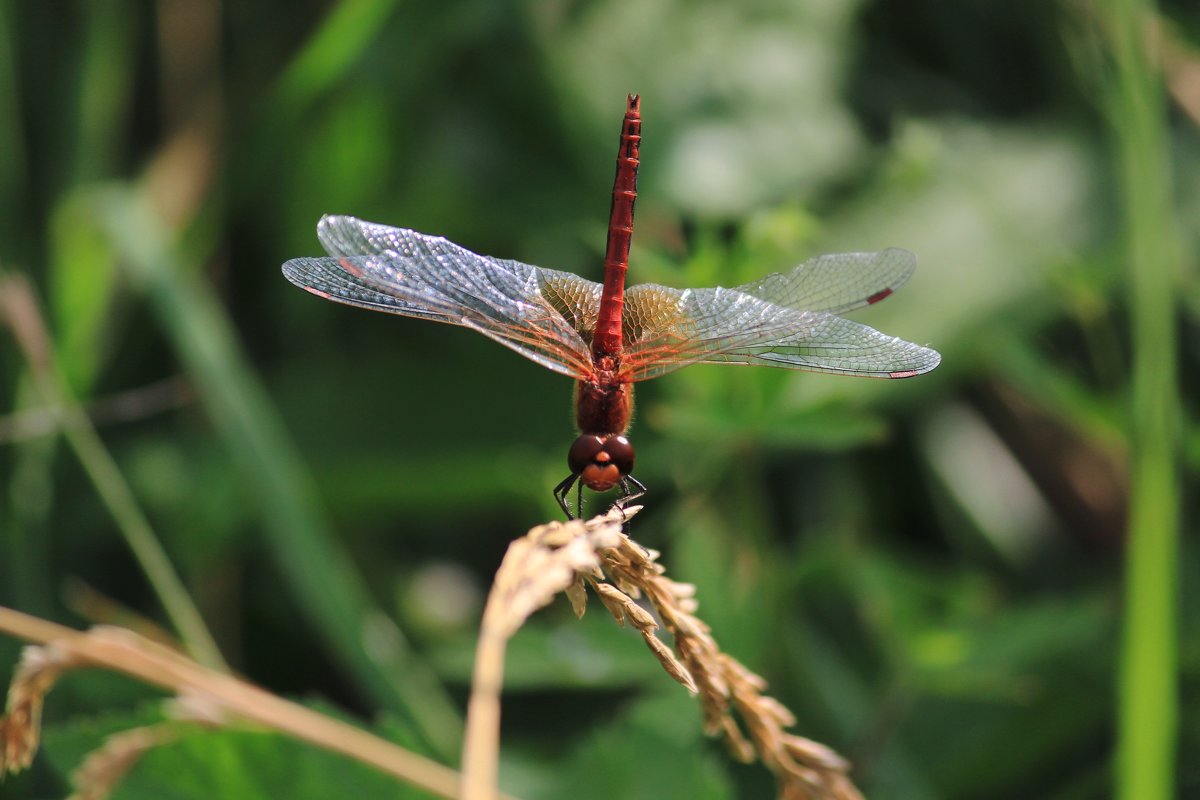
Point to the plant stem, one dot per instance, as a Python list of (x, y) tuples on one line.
[(1148, 682)]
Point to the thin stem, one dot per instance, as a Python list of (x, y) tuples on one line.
[(1148, 684), (481, 746), (18, 305)]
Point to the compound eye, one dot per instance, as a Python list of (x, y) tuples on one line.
[(621, 452), (582, 452)]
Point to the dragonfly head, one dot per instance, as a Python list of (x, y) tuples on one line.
[(600, 461)]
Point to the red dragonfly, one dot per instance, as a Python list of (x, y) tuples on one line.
[(607, 338)]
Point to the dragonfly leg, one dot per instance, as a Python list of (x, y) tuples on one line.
[(561, 491), (628, 495)]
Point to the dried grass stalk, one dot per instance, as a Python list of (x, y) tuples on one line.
[(547, 560), (204, 695), (564, 557), (20, 727), (104, 767)]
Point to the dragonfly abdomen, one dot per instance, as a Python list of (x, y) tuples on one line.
[(607, 338)]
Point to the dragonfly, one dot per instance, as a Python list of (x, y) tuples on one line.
[(608, 338)]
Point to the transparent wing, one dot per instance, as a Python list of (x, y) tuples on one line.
[(826, 343), (838, 282), (539, 313), (666, 329)]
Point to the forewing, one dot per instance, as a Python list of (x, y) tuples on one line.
[(404, 272), (838, 282), (669, 328), (827, 343)]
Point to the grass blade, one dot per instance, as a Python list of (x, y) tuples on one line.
[(1148, 683)]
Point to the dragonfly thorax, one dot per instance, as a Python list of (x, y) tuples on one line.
[(603, 404), (601, 462)]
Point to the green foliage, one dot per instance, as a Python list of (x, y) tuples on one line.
[(928, 572)]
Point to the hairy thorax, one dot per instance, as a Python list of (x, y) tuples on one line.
[(603, 403)]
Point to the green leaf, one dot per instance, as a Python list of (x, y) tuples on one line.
[(654, 750)]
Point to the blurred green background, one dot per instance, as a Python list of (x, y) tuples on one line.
[(930, 573)]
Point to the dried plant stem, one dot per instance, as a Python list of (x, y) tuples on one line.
[(103, 769), (122, 651), (481, 747), (567, 557), (536, 568), (19, 308)]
